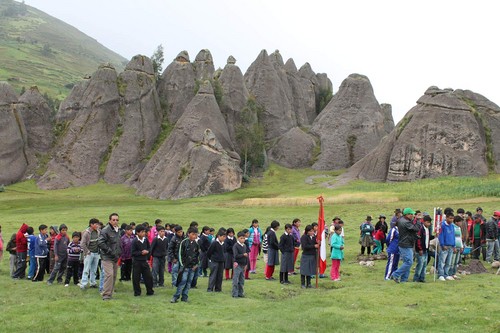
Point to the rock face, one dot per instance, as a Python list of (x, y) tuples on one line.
[(266, 84), (72, 104), (13, 138), (198, 157), (350, 126), (177, 85), (36, 116), (86, 140), (140, 123), (204, 65), (388, 120), (294, 149), (444, 134), (235, 95)]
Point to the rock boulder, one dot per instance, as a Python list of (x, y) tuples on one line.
[(294, 149)]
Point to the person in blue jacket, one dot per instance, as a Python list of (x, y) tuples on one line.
[(446, 247), (41, 253)]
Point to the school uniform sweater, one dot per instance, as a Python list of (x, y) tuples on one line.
[(216, 252), (287, 243), (239, 251), (159, 247), (138, 246)]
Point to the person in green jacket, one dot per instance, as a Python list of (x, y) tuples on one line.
[(337, 244)]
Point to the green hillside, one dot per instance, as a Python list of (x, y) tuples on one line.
[(38, 49)]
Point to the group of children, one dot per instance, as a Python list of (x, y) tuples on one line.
[(147, 252)]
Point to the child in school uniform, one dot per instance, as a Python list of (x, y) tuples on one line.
[(228, 265), (308, 259), (159, 253), (286, 246), (189, 256), (141, 251), (240, 256), (126, 255), (247, 243), (272, 251), (215, 256), (74, 250), (337, 244)]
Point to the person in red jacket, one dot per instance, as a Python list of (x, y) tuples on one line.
[(21, 252)]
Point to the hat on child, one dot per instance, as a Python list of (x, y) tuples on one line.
[(496, 213)]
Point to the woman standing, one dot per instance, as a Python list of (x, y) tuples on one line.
[(308, 259)]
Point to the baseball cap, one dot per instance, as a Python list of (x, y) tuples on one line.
[(408, 210)]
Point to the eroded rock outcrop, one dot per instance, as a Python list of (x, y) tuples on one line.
[(197, 159), (235, 95), (177, 86), (446, 133), (140, 121), (13, 138), (294, 149), (204, 65), (350, 126), (85, 142), (72, 104)]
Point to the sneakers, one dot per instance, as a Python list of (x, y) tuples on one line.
[(456, 277), (336, 280), (441, 278), (66, 285), (49, 283), (173, 300), (450, 278)]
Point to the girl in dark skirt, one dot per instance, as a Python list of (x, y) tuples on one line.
[(308, 259), (228, 265), (286, 246), (273, 250)]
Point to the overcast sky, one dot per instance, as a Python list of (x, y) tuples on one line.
[(402, 46)]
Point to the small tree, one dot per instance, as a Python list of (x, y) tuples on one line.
[(157, 59), (250, 137)]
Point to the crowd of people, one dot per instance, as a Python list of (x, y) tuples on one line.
[(143, 253), (412, 239)]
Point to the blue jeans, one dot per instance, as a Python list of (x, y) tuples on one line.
[(32, 269), (455, 260), (445, 261), (185, 284), (420, 268), (492, 250), (175, 272), (90, 263), (403, 272)]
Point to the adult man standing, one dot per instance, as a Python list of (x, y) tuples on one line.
[(109, 244), (90, 252), (492, 237), (407, 235)]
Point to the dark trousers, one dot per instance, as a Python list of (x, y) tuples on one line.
[(126, 270), (139, 268), (59, 269), (478, 249), (215, 279), (368, 250), (159, 271), (20, 272), (72, 271), (40, 269)]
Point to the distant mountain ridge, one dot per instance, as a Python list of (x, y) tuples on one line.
[(38, 49)]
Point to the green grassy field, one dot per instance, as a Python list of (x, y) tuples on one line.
[(362, 301)]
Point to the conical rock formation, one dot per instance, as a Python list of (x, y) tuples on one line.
[(198, 157), (86, 141), (140, 123), (350, 126)]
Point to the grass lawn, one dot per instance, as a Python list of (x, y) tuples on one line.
[(361, 302)]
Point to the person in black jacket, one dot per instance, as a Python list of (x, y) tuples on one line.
[(216, 259), (189, 255), (240, 255), (173, 252), (109, 244), (228, 244), (204, 245), (308, 261), (272, 251), (159, 249), (286, 246), (141, 251)]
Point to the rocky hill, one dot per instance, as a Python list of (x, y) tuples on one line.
[(448, 132)]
